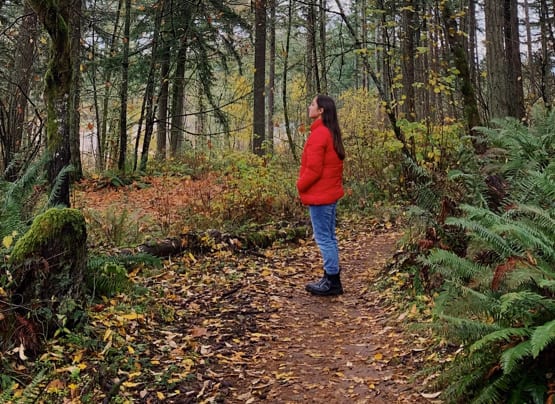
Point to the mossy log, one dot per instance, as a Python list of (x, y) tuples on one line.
[(213, 240), (47, 268)]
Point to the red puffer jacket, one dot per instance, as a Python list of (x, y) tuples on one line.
[(320, 179)]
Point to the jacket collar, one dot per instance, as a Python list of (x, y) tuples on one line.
[(317, 123)]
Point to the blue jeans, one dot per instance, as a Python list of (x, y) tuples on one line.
[(323, 226)]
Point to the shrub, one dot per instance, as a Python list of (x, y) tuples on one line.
[(498, 299)]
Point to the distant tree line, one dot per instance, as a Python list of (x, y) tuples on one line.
[(112, 84)]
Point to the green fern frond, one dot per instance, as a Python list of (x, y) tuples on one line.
[(534, 187), (527, 277), (35, 389), (108, 275), (460, 300), (511, 357), (521, 307), (502, 335), (16, 198), (62, 176), (452, 266), (526, 299), (541, 218), (486, 235), (526, 237), (542, 336), (463, 330), (548, 284), (494, 392), (460, 382), (427, 198)]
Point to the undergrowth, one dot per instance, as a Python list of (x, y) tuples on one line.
[(495, 284)]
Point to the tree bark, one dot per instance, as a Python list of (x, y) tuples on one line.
[(124, 89), (178, 94), (495, 59), (271, 75), (11, 130), (149, 105), (323, 82), (408, 56), (259, 109), (514, 71), (56, 18), (75, 96), (292, 147), (458, 52), (162, 121)]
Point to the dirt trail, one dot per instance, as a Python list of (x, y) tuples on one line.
[(252, 334), (346, 349)]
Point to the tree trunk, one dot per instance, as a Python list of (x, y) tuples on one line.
[(178, 94), (408, 56), (56, 18), (496, 60), (458, 52), (271, 75), (11, 134), (124, 89), (150, 109), (259, 109), (544, 59), (75, 96), (102, 110), (48, 265), (162, 121), (312, 79), (323, 46), (284, 82), (515, 91)]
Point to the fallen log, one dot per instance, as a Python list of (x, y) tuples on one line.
[(214, 240)]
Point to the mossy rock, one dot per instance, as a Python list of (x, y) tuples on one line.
[(48, 263)]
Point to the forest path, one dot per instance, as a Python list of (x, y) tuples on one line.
[(239, 327), (352, 348)]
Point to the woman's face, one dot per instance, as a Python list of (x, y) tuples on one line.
[(314, 111)]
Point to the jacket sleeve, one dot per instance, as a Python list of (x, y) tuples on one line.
[(313, 161)]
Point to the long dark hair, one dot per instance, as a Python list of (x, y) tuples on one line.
[(329, 118)]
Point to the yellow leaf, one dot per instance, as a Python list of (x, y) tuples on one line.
[(77, 357), (266, 272), (132, 316), (160, 395), (7, 241), (130, 349), (378, 356), (107, 334)]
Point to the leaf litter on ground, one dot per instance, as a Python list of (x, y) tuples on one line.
[(236, 328)]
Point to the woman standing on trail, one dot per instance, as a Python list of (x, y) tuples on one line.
[(320, 186)]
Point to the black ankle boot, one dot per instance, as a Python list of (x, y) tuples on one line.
[(329, 285), (318, 283)]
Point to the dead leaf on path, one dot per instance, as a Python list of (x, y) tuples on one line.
[(198, 332)]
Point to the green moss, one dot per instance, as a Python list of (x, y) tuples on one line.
[(64, 225)]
